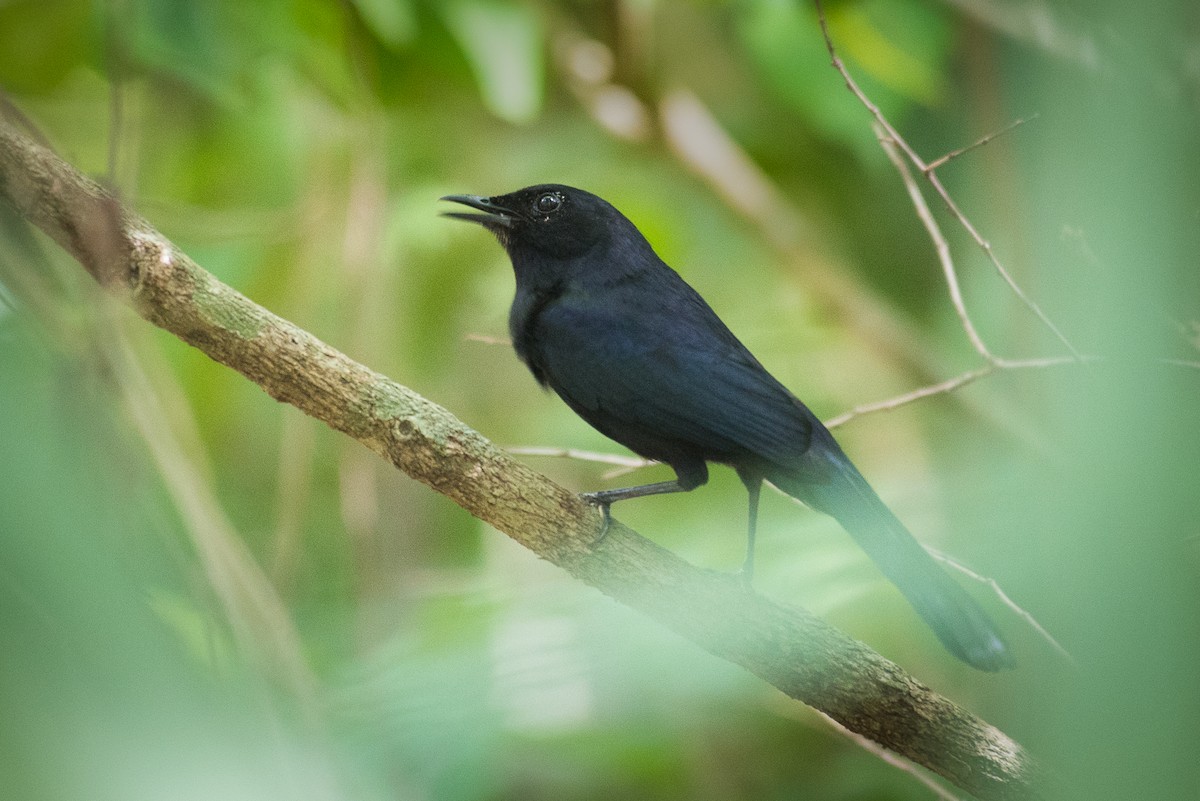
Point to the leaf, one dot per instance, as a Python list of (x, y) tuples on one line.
[(895, 50), (392, 21), (901, 45), (503, 44)]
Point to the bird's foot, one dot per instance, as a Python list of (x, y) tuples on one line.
[(596, 499)]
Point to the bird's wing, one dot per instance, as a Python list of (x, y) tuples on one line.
[(677, 372)]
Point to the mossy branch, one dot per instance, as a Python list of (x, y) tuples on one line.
[(788, 647)]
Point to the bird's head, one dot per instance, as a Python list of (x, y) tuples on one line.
[(550, 221)]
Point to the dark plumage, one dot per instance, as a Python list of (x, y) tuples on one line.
[(638, 354)]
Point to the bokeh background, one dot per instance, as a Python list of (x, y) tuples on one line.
[(204, 594)]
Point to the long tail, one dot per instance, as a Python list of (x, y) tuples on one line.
[(955, 617)]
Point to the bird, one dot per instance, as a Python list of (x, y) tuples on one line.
[(636, 352)]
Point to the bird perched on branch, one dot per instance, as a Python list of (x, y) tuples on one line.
[(636, 352)]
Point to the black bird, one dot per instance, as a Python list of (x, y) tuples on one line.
[(637, 353)]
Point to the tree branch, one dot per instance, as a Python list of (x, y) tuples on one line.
[(929, 171), (803, 656)]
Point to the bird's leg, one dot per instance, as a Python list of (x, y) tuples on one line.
[(606, 498), (753, 487)]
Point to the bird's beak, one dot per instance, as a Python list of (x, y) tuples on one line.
[(493, 215)]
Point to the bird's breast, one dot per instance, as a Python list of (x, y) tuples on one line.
[(527, 308)]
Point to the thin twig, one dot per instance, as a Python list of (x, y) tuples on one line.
[(941, 246), (987, 248), (583, 456), (958, 381), (1004, 598), (935, 182), (953, 154), (624, 464), (949, 385), (857, 91), (488, 339)]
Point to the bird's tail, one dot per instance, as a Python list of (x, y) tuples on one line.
[(957, 620)]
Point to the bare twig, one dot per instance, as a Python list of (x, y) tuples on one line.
[(891, 148), (487, 339), (894, 136), (857, 91), (624, 465), (1004, 597), (949, 385), (987, 248), (952, 384), (584, 456), (953, 154)]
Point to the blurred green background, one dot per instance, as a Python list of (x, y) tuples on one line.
[(205, 594)]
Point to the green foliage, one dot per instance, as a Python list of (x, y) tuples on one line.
[(898, 50), (296, 148), (503, 43), (393, 22)]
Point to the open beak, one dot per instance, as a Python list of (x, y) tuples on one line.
[(492, 215)]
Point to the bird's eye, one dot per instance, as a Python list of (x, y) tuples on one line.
[(547, 203)]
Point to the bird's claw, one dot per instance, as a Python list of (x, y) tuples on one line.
[(594, 499)]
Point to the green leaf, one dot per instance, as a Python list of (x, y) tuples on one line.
[(503, 43), (901, 45), (895, 50), (393, 22)]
